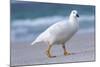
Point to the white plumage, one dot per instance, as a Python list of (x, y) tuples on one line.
[(60, 32)]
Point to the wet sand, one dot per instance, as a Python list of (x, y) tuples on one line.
[(81, 46)]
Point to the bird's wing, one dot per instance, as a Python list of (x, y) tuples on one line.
[(54, 29), (57, 27)]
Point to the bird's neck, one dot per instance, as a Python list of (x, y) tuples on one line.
[(73, 20)]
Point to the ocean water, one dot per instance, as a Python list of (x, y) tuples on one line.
[(29, 19)]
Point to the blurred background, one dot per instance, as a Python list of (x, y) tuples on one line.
[(29, 19)]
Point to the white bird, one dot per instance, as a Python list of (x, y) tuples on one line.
[(59, 33)]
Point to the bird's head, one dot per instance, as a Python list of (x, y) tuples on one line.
[(74, 14)]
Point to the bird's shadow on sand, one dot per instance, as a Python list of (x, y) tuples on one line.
[(75, 53)]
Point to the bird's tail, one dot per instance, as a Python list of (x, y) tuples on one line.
[(36, 42), (33, 43)]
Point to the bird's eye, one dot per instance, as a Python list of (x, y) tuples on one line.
[(73, 12)]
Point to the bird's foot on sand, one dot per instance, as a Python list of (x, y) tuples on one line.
[(67, 53), (49, 55)]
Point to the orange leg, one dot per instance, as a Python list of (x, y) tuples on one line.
[(48, 52), (65, 52)]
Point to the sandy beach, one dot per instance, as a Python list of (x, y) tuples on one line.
[(81, 46)]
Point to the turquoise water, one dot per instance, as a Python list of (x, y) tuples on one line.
[(29, 19)]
